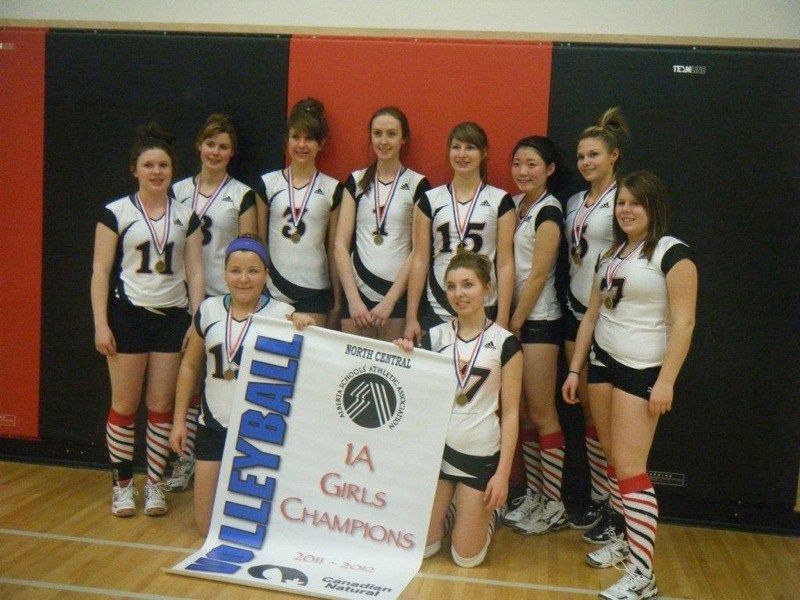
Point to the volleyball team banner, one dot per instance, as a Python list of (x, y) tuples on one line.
[(330, 464)]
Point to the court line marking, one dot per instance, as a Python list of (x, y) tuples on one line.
[(436, 576), (63, 587)]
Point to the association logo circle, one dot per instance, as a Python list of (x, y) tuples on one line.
[(369, 400)]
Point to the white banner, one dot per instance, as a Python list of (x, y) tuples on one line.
[(330, 464)]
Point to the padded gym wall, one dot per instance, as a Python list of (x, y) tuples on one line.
[(721, 128), (22, 56), (99, 87), (503, 86)]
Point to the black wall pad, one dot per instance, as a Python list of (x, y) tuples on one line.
[(720, 127)]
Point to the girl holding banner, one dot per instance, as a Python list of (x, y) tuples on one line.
[(298, 208), (468, 214), (226, 207), (480, 446), (147, 254), (215, 343), (377, 207), (636, 333), (588, 227)]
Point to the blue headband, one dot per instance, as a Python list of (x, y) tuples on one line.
[(248, 245)]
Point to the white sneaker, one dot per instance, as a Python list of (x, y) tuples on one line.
[(552, 516), (632, 586), (613, 553), (182, 473), (122, 500), (155, 503), (525, 505)]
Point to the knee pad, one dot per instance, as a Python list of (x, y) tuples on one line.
[(432, 549), (469, 563)]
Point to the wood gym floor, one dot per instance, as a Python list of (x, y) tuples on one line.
[(58, 540)]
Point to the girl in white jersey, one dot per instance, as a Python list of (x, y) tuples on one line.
[(636, 331), (479, 447), (226, 208), (467, 213), (536, 167), (298, 208), (215, 346), (587, 228), (377, 208), (147, 254)]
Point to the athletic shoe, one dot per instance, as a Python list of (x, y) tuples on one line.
[(613, 553), (182, 473), (632, 586), (122, 500), (525, 505), (552, 516), (609, 527), (155, 503), (590, 518)]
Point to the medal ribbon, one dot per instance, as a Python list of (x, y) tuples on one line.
[(201, 213), (297, 215), (577, 226), (462, 381), (382, 210), (615, 263), (231, 348), (520, 216), (162, 242), (461, 227)]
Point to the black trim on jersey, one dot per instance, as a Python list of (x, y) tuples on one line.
[(289, 289), (350, 186), (108, 218), (194, 224), (423, 186), (337, 196), (575, 304), (549, 213), (437, 291), (506, 204), (378, 284), (248, 202), (510, 347), (116, 287), (424, 204), (674, 255), (208, 418), (261, 189), (469, 463)]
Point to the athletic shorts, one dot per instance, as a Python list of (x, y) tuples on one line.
[(318, 303), (398, 312), (571, 324), (479, 469), (604, 369), (138, 330), (209, 442), (542, 332)]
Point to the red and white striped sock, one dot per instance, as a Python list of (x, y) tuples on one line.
[(192, 415), (120, 435), (641, 520), (613, 487), (159, 426), (532, 458), (552, 449), (597, 464)]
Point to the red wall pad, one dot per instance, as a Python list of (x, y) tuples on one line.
[(503, 86), (21, 189)]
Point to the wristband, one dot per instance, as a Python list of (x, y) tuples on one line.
[(578, 373)]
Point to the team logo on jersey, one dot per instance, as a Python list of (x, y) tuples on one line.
[(490, 345), (606, 205), (405, 186), (178, 222), (371, 397), (485, 203), (319, 191), (227, 199)]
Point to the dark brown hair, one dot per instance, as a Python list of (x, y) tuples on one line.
[(651, 192), (365, 183), (471, 133), (214, 125), (477, 263)]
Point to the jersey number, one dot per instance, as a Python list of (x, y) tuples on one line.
[(216, 352), (289, 230), (482, 375), (205, 227), (144, 248), (473, 235)]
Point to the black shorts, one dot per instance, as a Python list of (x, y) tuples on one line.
[(479, 469), (542, 332), (138, 330), (571, 324), (209, 443), (638, 382), (398, 312), (319, 303)]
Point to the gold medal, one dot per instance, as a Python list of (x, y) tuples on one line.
[(229, 374), (161, 266), (378, 239), (295, 237), (461, 399), (608, 302), (576, 255)]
